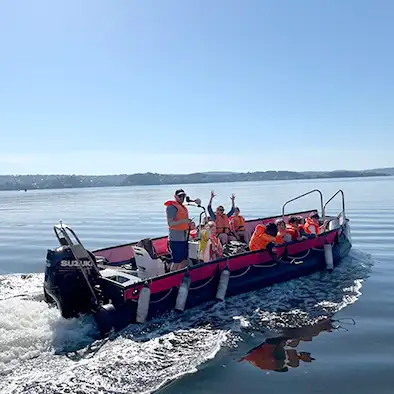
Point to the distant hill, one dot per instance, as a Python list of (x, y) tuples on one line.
[(21, 182), (388, 171)]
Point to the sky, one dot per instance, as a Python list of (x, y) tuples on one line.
[(180, 86)]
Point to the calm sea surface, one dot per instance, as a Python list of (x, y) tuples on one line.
[(227, 347)]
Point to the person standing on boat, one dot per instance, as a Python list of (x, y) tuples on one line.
[(178, 229), (222, 220)]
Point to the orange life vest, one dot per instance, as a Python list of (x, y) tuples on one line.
[(222, 224), (260, 239), (238, 222), (293, 232), (308, 223), (181, 214)]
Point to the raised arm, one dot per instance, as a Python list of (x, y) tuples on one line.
[(231, 211), (209, 207)]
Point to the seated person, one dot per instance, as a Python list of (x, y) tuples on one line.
[(312, 224), (237, 226), (263, 237), (283, 236), (301, 223), (292, 228), (210, 247), (222, 221)]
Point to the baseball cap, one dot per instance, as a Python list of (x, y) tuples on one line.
[(180, 192)]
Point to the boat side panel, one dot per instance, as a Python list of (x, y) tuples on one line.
[(243, 280), (205, 271)]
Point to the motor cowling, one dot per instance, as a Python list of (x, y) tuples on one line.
[(65, 283)]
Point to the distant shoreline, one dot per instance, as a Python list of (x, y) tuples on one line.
[(44, 182)]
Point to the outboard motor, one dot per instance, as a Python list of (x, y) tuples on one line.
[(65, 283)]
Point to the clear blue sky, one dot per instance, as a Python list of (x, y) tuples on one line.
[(103, 87)]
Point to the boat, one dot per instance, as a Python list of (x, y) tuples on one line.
[(131, 283)]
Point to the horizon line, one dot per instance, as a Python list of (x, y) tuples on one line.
[(203, 172)]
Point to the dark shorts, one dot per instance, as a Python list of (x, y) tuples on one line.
[(179, 251)]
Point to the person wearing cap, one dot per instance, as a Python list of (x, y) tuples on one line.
[(178, 228)]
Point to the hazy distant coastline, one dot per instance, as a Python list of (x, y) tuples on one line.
[(30, 182)]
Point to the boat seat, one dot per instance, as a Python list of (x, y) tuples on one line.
[(147, 244)]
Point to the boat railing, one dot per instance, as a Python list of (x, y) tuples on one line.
[(303, 195), (63, 232), (332, 197)]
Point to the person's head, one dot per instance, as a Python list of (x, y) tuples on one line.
[(236, 211), (180, 195), (271, 229), (293, 221), (315, 217), (192, 225), (211, 228), (220, 210), (280, 224), (301, 220), (206, 220)]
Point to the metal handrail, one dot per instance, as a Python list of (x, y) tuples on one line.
[(62, 228), (303, 195), (332, 197), (203, 213)]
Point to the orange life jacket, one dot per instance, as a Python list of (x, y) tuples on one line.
[(293, 232), (181, 214), (238, 222), (260, 239), (222, 224), (308, 223), (279, 239)]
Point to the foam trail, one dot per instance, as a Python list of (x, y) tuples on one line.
[(40, 352)]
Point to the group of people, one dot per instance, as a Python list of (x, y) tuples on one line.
[(221, 228), (278, 232)]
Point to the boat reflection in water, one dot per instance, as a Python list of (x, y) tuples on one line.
[(280, 353)]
